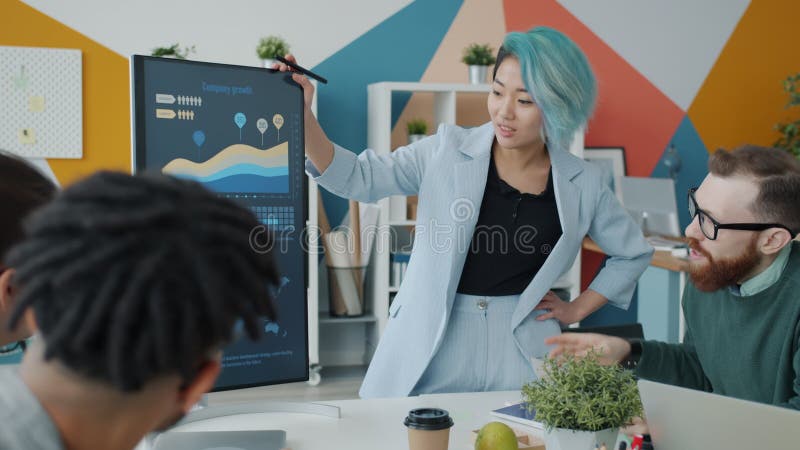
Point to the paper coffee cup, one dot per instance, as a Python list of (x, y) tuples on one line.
[(428, 429)]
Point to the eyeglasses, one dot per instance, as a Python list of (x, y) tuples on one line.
[(11, 348), (711, 227)]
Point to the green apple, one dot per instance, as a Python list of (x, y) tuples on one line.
[(496, 436)]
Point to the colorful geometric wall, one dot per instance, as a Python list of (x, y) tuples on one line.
[(696, 75)]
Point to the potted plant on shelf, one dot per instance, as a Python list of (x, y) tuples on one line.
[(478, 57), (790, 132), (269, 47), (582, 403), (173, 51), (417, 129)]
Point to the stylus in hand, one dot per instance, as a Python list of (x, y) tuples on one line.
[(302, 70)]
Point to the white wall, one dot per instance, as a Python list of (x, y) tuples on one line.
[(225, 32)]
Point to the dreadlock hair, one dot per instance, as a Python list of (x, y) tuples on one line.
[(22, 189), (134, 277)]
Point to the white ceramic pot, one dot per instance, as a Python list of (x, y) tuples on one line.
[(477, 74), (565, 439), (267, 63), (415, 137)]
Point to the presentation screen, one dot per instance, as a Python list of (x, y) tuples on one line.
[(238, 131)]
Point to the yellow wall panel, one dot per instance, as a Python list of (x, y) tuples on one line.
[(742, 98), (106, 102)]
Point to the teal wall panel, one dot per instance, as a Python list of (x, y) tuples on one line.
[(397, 49)]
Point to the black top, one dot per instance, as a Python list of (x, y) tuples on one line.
[(513, 236)]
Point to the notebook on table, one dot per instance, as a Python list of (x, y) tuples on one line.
[(518, 413)]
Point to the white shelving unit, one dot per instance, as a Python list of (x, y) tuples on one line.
[(312, 293), (332, 341), (312, 296)]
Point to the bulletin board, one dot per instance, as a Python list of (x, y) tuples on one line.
[(41, 102)]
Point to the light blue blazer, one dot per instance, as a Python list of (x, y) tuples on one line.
[(448, 170)]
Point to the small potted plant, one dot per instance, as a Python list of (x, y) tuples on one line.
[(269, 47), (417, 129), (790, 132), (583, 403), (478, 57), (173, 51)]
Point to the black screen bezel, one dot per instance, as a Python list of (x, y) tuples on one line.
[(139, 162)]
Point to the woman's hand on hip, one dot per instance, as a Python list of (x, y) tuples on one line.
[(565, 312), (570, 312)]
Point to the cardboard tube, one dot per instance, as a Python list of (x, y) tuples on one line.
[(343, 270), (355, 227)]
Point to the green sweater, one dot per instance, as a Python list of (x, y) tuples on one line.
[(744, 347)]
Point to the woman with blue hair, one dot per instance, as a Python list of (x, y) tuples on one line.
[(503, 209)]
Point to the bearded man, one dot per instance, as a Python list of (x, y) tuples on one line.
[(742, 305)]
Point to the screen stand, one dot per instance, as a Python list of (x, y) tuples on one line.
[(235, 439)]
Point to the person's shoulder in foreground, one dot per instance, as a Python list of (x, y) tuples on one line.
[(24, 424)]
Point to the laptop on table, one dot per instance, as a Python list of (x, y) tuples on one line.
[(686, 419)]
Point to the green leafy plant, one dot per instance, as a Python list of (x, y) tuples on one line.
[(417, 126), (478, 55), (271, 46), (174, 50), (790, 132), (581, 394)]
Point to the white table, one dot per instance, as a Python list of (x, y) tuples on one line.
[(370, 424)]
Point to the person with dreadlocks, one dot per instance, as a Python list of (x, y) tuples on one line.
[(133, 284), (22, 189)]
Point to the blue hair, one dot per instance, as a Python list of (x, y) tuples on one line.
[(558, 76)]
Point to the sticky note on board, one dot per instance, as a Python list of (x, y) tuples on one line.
[(36, 103), (27, 136), (21, 82)]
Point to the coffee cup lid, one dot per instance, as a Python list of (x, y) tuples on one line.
[(428, 419)]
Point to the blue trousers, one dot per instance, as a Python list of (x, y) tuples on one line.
[(478, 352)]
